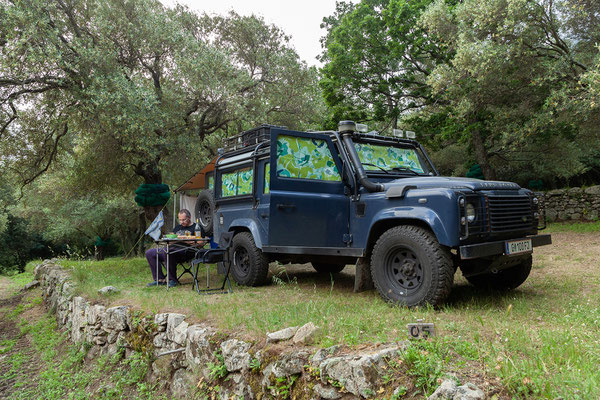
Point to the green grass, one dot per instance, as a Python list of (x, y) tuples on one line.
[(540, 340), (572, 227), (64, 374)]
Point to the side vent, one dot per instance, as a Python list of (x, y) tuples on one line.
[(360, 209)]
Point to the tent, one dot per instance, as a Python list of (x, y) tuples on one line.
[(197, 181)]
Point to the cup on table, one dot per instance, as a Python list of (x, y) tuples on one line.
[(188, 233)]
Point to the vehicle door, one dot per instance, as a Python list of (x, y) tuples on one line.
[(308, 206)]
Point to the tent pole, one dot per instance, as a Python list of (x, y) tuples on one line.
[(174, 207)]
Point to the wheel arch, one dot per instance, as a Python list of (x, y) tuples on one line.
[(382, 225), (418, 216), (247, 225)]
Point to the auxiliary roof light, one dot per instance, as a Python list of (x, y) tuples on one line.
[(411, 134), (397, 133), (346, 126), (362, 128)]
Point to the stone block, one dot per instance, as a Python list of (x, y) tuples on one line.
[(78, 321), (31, 285), (445, 391), (283, 334), (468, 392), (160, 340), (108, 290), (173, 321), (240, 389), (161, 321), (235, 355), (182, 384), (306, 334), (116, 318), (94, 314), (180, 333), (200, 346), (322, 354), (326, 392), (358, 373), (290, 364), (593, 190)]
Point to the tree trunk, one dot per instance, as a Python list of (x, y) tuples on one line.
[(99, 253), (152, 175), (481, 153)]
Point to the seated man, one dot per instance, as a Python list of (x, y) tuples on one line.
[(185, 224)]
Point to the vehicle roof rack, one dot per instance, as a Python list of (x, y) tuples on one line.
[(250, 137)]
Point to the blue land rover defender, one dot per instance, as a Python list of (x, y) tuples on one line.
[(342, 197)]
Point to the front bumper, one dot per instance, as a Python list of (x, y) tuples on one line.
[(497, 248)]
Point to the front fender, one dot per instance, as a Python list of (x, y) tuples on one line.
[(446, 235), (248, 224)]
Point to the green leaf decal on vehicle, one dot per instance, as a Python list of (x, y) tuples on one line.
[(304, 158)]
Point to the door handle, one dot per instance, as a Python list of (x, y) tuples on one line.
[(284, 206)]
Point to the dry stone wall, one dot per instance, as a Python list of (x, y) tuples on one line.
[(190, 358), (574, 204)]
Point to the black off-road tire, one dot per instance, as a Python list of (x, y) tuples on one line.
[(503, 280), (409, 267), (249, 266), (325, 268), (205, 209)]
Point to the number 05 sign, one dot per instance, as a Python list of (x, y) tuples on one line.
[(420, 330)]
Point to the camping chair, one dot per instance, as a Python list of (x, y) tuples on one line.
[(211, 256)]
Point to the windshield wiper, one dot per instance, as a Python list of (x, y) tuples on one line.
[(405, 169), (376, 166)]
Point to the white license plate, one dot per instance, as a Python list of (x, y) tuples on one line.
[(518, 246)]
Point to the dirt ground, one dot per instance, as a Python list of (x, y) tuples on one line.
[(30, 368), (569, 251)]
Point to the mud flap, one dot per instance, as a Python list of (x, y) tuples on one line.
[(362, 278)]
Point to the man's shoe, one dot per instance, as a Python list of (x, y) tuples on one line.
[(172, 283), (155, 283)]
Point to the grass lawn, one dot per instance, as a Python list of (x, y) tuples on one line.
[(540, 340)]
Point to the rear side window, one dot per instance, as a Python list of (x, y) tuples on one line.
[(267, 178), (237, 182), (305, 158)]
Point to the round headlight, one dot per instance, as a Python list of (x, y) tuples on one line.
[(470, 212)]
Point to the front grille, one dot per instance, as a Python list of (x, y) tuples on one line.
[(510, 213)]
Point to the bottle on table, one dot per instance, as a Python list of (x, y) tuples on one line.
[(197, 229)]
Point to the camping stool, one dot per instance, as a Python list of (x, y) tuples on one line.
[(187, 269), (212, 256)]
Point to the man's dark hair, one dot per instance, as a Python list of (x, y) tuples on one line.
[(186, 212)]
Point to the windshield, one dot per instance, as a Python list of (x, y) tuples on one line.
[(390, 159)]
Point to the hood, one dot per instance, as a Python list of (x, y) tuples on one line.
[(423, 182)]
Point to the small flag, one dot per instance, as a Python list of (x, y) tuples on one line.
[(154, 228)]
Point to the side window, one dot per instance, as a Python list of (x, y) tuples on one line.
[(236, 183), (245, 181), (211, 182), (305, 158), (267, 186)]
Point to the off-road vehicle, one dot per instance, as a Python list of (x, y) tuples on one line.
[(341, 197)]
